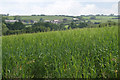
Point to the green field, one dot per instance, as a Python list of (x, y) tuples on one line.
[(50, 17), (77, 53), (37, 18), (102, 19), (0, 57)]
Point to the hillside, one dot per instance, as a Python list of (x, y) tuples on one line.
[(53, 17), (77, 53), (44, 23), (37, 18)]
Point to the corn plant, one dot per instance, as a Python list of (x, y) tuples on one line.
[(78, 53)]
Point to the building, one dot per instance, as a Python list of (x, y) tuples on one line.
[(11, 21), (75, 19), (55, 21), (35, 21), (47, 21), (23, 21)]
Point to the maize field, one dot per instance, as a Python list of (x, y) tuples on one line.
[(77, 53)]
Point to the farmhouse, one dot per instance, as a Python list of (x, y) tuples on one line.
[(55, 21), (29, 22), (47, 21), (23, 21), (75, 19), (82, 20), (11, 21), (32, 22), (35, 21)]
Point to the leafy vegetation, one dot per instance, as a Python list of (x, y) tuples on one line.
[(19, 27), (0, 47), (36, 23), (37, 18), (78, 53)]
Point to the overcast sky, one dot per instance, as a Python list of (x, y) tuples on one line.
[(58, 7)]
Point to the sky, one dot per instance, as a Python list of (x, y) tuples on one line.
[(58, 7)]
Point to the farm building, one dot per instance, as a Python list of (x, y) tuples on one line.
[(29, 22), (35, 21), (75, 19), (47, 21), (56, 21), (53, 21), (11, 21)]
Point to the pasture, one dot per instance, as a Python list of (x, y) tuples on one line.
[(37, 18)]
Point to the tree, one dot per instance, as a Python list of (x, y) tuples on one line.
[(9, 25), (42, 14), (64, 20), (82, 24), (4, 28), (7, 14), (93, 17), (3, 19), (47, 25), (41, 20), (97, 14), (111, 15), (18, 25), (17, 18), (109, 24), (100, 25), (61, 26), (80, 17), (73, 25)]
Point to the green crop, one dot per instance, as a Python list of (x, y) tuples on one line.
[(78, 53)]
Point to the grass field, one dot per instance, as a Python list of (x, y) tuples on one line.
[(78, 53), (0, 46), (37, 18), (104, 20)]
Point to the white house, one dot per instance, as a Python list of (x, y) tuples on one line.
[(53, 21), (76, 19), (11, 21), (47, 21), (56, 21), (35, 21)]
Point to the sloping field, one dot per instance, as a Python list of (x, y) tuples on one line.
[(78, 53)]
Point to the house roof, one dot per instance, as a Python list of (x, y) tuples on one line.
[(11, 20)]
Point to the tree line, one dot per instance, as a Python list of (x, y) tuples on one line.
[(19, 27)]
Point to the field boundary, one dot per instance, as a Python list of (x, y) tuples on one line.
[(119, 37), (0, 47)]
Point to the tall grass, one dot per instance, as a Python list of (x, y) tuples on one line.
[(0, 46), (78, 53)]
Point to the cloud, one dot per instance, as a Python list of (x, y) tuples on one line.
[(100, 0), (112, 10), (53, 7), (39, 1)]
